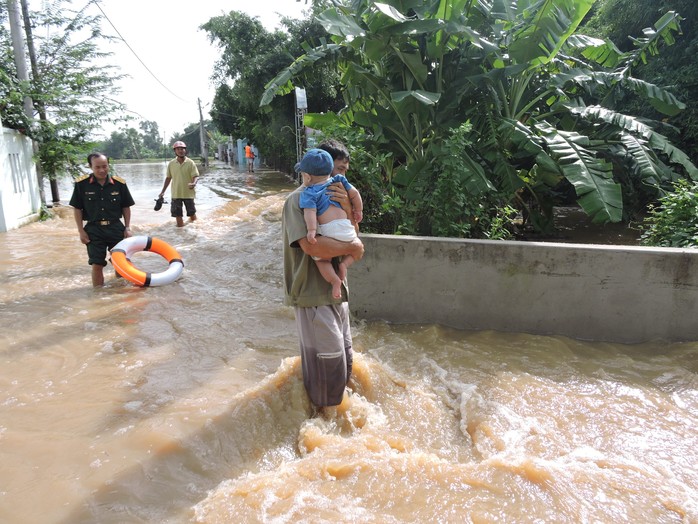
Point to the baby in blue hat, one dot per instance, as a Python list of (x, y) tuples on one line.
[(326, 217)]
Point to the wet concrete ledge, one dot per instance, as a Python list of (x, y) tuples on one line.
[(621, 294)]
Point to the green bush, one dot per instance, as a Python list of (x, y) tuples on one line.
[(452, 209), (440, 206), (370, 171), (674, 223)]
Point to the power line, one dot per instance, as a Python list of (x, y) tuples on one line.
[(138, 57)]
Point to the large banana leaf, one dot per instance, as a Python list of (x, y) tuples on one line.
[(647, 165), (521, 144), (608, 55), (475, 180), (321, 121), (391, 12), (423, 97), (338, 24), (663, 31), (603, 52), (655, 140), (415, 65), (675, 155), (407, 177), (504, 9), (662, 100), (281, 83), (553, 22), (598, 194), (412, 69)]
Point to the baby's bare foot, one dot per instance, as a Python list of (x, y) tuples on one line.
[(337, 289)]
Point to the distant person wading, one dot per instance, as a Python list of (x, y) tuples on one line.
[(249, 156), (184, 175)]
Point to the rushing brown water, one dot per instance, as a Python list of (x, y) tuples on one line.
[(184, 403)]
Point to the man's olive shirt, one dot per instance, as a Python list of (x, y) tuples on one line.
[(304, 285)]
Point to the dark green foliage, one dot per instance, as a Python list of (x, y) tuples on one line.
[(73, 88), (224, 110), (674, 222), (456, 211), (152, 140), (368, 174), (11, 90), (441, 207), (130, 143), (542, 101), (677, 70), (192, 137), (251, 55)]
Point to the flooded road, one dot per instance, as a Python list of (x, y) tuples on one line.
[(185, 403)]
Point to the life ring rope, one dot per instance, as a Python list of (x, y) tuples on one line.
[(121, 260)]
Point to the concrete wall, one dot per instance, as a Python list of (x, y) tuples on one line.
[(605, 293), (20, 201)]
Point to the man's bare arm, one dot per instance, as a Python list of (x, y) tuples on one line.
[(327, 248), (77, 215), (126, 212)]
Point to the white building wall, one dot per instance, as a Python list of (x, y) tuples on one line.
[(20, 200)]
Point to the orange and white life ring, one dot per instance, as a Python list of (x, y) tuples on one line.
[(121, 254)]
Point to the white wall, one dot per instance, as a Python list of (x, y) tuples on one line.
[(20, 201)]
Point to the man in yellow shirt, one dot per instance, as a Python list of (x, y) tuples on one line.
[(184, 175)]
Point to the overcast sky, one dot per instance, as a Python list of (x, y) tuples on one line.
[(165, 35)]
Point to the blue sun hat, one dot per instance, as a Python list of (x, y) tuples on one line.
[(316, 162)]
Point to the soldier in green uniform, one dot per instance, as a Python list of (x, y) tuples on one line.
[(101, 200)]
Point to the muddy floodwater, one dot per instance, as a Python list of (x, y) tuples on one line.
[(184, 403)]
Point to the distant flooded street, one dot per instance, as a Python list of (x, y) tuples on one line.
[(185, 403)]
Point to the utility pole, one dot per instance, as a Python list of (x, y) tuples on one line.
[(18, 48), (202, 135), (23, 75), (301, 110), (55, 197)]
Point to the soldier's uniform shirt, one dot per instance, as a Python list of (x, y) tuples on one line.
[(101, 207), (101, 202)]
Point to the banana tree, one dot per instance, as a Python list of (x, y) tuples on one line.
[(543, 112), (538, 96)]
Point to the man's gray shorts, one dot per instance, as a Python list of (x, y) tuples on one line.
[(326, 351), (176, 206)]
